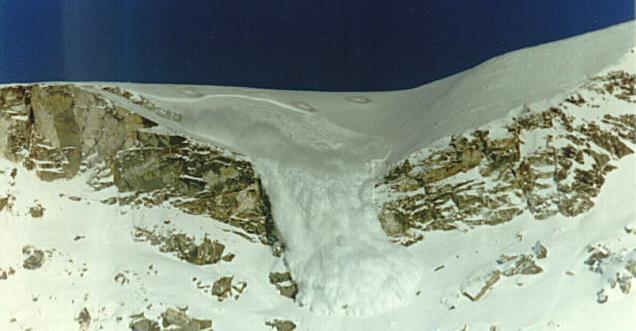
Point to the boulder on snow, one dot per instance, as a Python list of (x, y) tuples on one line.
[(185, 247), (84, 320), (284, 283), (174, 319), (37, 211), (34, 258), (171, 319), (281, 325)]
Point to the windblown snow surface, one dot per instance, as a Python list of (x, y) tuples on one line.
[(319, 156)]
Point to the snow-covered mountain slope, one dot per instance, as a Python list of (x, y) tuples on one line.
[(317, 176), (407, 120)]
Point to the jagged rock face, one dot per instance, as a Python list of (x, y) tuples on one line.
[(62, 130), (439, 204), (15, 122), (479, 179)]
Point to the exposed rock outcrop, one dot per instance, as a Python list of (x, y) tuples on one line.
[(171, 319), (5, 274), (34, 258), (60, 131), (183, 246), (84, 320), (284, 283), (481, 179), (37, 211), (478, 284), (179, 320), (618, 269), (4, 201), (225, 287), (281, 325)]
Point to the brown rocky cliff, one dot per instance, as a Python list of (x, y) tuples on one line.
[(483, 180), (60, 131)]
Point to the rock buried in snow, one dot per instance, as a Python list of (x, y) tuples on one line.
[(208, 252), (35, 258), (171, 319), (279, 277), (476, 286), (281, 325), (184, 246), (37, 211), (144, 324), (618, 269), (4, 201), (518, 265), (289, 291), (284, 284), (84, 319), (539, 251), (4, 274), (224, 288), (601, 296)]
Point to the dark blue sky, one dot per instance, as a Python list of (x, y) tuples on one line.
[(291, 44)]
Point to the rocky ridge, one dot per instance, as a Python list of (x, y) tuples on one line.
[(64, 131), (487, 170), (60, 131), (484, 179)]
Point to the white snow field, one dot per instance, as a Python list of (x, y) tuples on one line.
[(320, 156)]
